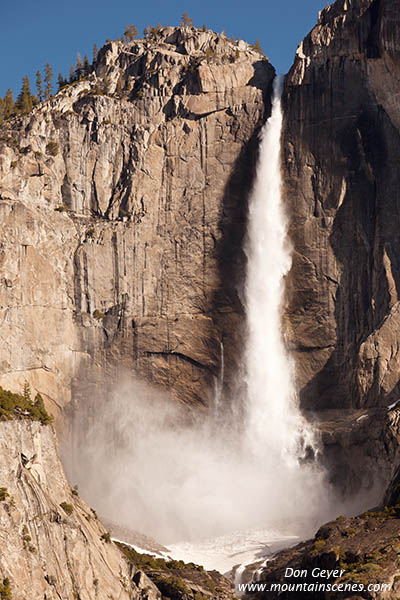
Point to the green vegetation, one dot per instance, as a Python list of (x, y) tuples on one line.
[(171, 586), (48, 76), (25, 100), (317, 547), (74, 491), (98, 314), (52, 148), (8, 104), (79, 67), (106, 537), (5, 590), (60, 81), (61, 208), (3, 494), (186, 20), (39, 86), (170, 576), (67, 508), (257, 47), (16, 406), (86, 66), (26, 538), (362, 572), (130, 33), (210, 53), (146, 562)]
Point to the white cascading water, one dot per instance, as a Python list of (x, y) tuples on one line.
[(139, 466), (274, 419)]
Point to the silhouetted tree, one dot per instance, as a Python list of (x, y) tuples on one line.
[(186, 20), (39, 85), (61, 81), (48, 76), (71, 73), (130, 33), (86, 65), (152, 31), (24, 100), (8, 104), (79, 66), (95, 52), (257, 46)]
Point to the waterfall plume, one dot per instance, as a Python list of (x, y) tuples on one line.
[(274, 418)]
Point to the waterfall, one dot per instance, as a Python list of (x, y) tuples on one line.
[(274, 419), (143, 464)]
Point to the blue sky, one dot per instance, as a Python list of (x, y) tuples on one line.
[(35, 31)]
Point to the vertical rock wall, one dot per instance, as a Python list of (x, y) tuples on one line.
[(123, 203), (342, 182)]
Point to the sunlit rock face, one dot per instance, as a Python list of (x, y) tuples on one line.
[(52, 544), (342, 181), (123, 216)]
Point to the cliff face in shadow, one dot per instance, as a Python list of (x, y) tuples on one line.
[(341, 182), (122, 203)]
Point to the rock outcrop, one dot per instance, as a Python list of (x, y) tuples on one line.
[(361, 450), (123, 203), (52, 544), (348, 558), (177, 579), (342, 176)]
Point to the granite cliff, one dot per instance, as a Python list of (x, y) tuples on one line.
[(122, 204), (52, 544), (341, 145), (123, 209), (341, 179)]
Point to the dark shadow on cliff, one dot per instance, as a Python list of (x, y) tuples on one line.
[(348, 134), (365, 229)]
